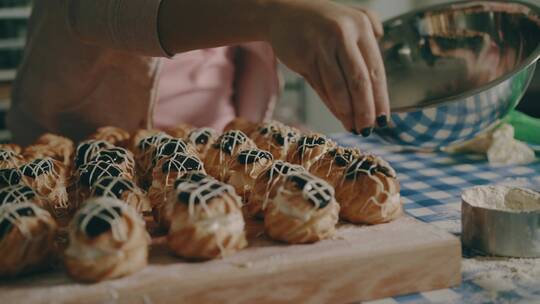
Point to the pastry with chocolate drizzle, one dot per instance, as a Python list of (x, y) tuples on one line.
[(225, 149), (87, 150), (107, 240), (369, 192), (123, 189), (9, 159), (89, 174), (242, 124), (114, 135), (333, 164), (202, 139), (308, 149), (164, 175), (244, 169), (144, 151), (169, 148), (20, 193), (16, 149), (47, 177), (275, 138), (266, 185), (119, 156), (51, 145), (206, 220), (27, 235), (180, 131), (304, 210)]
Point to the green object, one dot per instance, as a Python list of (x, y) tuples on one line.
[(526, 128)]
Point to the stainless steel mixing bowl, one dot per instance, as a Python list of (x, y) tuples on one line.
[(455, 70)]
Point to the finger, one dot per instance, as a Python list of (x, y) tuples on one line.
[(337, 91), (370, 52), (355, 71), (374, 19)]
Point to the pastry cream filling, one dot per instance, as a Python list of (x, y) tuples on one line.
[(231, 223), (282, 204)]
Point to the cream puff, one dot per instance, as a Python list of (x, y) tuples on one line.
[(27, 235), (9, 159), (304, 210), (202, 139), (144, 151), (123, 189), (89, 174), (275, 138), (171, 147), (266, 185), (114, 135), (308, 149), (206, 220), (119, 156), (225, 149), (369, 192), (333, 164), (241, 124), (107, 240), (51, 145), (87, 150), (244, 169), (180, 130), (163, 178), (20, 193)]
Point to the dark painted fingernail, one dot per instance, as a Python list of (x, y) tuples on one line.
[(366, 132), (382, 121), (353, 131)]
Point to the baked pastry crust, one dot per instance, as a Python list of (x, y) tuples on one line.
[(144, 151), (16, 149), (123, 189), (169, 148), (225, 149), (242, 124), (180, 131), (121, 157), (48, 178), (206, 220), (88, 175), (369, 192), (202, 139), (308, 149), (138, 135), (244, 169), (333, 164), (87, 150), (275, 138), (163, 180), (114, 135), (9, 159), (26, 238), (51, 145), (107, 239), (266, 185), (304, 210)]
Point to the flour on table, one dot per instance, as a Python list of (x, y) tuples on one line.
[(504, 198)]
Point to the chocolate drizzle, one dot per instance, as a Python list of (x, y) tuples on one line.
[(282, 168), (6, 155), (316, 190), (88, 149), (37, 167), (100, 222), (201, 136), (9, 177), (115, 155), (202, 191), (253, 155), (191, 177), (342, 157), (367, 165), (153, 141), (230, 140), (6, 221), (94, 170), (112, 186), (181, 162), (309, 142), (169, 148), (16, 194)]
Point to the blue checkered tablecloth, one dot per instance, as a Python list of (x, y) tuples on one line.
[(431, 186)]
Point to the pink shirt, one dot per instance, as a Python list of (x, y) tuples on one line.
[(196, 88)]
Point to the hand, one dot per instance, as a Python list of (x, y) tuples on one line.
[(334, 47)]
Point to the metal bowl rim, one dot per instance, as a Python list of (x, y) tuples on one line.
[(528, 62)]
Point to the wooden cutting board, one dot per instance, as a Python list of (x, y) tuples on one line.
[(360, 263)]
